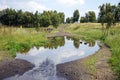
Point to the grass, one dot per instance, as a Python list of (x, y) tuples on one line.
[(89, 32), (113, 41), (92, 32), (54, 31), (90, 63), (17, 39)]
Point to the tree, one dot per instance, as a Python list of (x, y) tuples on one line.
[(55, 20), (45, 20), (107, 15), (82, 19), (19, 18), (62, 17), (92, 16), (68, 20), (102, 15), (86, 17), (76, 16), (117, 13), (12, 17), (36, 19), (89, 17)]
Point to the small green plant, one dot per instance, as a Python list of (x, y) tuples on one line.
[(90, 63)]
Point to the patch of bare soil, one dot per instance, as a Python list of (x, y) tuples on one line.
[(4, 55), (60, 33), (77, 70), (11, 67)]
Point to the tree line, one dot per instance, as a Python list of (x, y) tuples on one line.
[(11, 17), (105, 12), (109, 14), (89, 17)]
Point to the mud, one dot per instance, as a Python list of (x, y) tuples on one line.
[(11, 67)]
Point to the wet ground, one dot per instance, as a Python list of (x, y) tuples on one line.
[(11, 67)]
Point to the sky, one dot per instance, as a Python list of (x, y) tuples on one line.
[(66, 6)]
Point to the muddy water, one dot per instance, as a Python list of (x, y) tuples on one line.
[(58, 50)]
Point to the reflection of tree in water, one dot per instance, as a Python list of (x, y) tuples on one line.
[(55, 42), (68, 38), (75, 41), (25, 50), (91, 44)]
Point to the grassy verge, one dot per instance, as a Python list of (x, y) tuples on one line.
[(113, 41), (14, 40), (92, 31), (90, 63), (89, 32)]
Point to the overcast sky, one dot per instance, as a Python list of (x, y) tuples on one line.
[(66, 6)]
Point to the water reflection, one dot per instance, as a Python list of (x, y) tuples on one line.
[(91, 44), (55, 42), (45, 71), (76, 42), (60, 50), (57, 50)]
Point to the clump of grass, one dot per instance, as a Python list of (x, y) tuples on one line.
[(89, 32), (21, 39), (113, 41), (14, 47), (90, 63)]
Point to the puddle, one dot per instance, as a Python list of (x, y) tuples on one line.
[(58, 50)]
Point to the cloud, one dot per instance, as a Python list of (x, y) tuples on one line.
[(32, 5), (3, 1), (71, 2), (3, 7), (25, 5)]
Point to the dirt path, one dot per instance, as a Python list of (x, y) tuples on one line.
[(78, 70), (60, 32)]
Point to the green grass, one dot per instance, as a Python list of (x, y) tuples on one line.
[(91, 64), (89, 32), (113, 41), (16, 39), (92, 32)]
